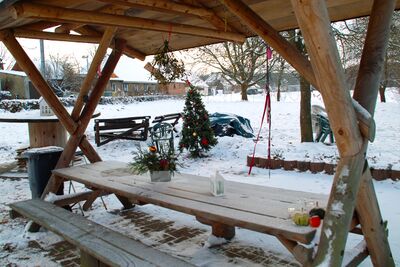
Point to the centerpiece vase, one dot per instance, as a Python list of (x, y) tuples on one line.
[(160, 176)]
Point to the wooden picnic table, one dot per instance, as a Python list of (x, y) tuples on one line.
[(43, 130), (259, 208)]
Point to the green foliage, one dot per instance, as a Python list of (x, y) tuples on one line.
[(153, 160), (168, 67), (197, 134)]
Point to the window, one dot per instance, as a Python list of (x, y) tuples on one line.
[(125, 87), (114, 87)]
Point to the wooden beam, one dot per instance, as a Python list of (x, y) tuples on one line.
[(25, 33), (37, 80), (356, 255), (301, 253), (94, 98), (365, 93), (314, 23), (28, 10), (252, 20), (181, 8), (371, 222), (164, 6), (91, 73), (129, 50), (41, 25)]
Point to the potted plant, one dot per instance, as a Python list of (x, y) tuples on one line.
[(161, 164)]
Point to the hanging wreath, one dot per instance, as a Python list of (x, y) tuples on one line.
[(168, 68)]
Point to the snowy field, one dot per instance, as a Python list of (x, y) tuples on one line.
[(228, 157)]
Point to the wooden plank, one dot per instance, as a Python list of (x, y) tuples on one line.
[(109, 247), (78, 197), (21, 10), (228, 216), (268, 203)]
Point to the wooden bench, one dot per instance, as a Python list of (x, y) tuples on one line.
[(253, 207), (172, 118), (132, 128), (99, 245)]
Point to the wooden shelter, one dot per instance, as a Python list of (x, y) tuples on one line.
[(136, 28)]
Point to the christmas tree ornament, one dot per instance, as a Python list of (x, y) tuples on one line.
[(194, 134), (204, 141), (315, 221)]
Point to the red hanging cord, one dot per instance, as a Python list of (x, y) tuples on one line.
[(267, 109)]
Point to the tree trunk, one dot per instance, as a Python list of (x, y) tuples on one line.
[(382, 89), (280, 76), (305, 111), (244, 87), (384, 83)]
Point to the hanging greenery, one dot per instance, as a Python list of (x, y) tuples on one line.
[(168, 67)]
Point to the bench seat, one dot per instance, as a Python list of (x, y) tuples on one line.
[(98, 244)]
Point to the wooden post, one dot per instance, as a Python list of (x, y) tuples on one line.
[(366, 92), (314, 23), (87, 113), (98, 57)]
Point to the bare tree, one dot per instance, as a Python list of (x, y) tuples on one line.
[(241, 65), (62, 72), (305, 91), (4, 56), (351, 35)]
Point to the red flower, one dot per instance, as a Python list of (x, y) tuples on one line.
[(204, 141), (164, 164), (153, 149)]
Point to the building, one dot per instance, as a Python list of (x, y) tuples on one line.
[(20, 87), (18, 84)]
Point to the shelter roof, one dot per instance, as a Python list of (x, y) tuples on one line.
[(145, 24)]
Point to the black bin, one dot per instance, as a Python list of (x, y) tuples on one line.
[(41, 161)]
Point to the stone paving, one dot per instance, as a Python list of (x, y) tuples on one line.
[(161, 233)]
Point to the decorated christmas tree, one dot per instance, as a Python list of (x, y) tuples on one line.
[(197, 134)]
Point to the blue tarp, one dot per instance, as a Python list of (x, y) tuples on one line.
[(230, 124)]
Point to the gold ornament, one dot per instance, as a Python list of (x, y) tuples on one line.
[(194, 134)]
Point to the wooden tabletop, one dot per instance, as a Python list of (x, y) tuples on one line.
[(254, 207), (20, 117)]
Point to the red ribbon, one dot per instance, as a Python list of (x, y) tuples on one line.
[(267, 109)]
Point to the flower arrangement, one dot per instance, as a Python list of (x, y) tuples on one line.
[(154, 160), (168, 67)]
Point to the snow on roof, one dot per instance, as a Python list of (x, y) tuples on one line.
[(14, 72)]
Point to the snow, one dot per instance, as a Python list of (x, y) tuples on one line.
[(229, 158)]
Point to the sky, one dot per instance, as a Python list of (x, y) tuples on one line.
[(127, 69)]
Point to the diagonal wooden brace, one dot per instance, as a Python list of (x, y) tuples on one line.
[(87, 113)]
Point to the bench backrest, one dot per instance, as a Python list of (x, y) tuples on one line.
[(174, 117)]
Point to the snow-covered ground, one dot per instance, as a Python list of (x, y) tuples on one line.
[(229, 158)]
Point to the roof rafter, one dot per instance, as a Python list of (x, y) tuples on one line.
[(28, 10)]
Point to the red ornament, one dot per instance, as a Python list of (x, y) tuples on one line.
[(315, 221), (164, 164), (204, 141)]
